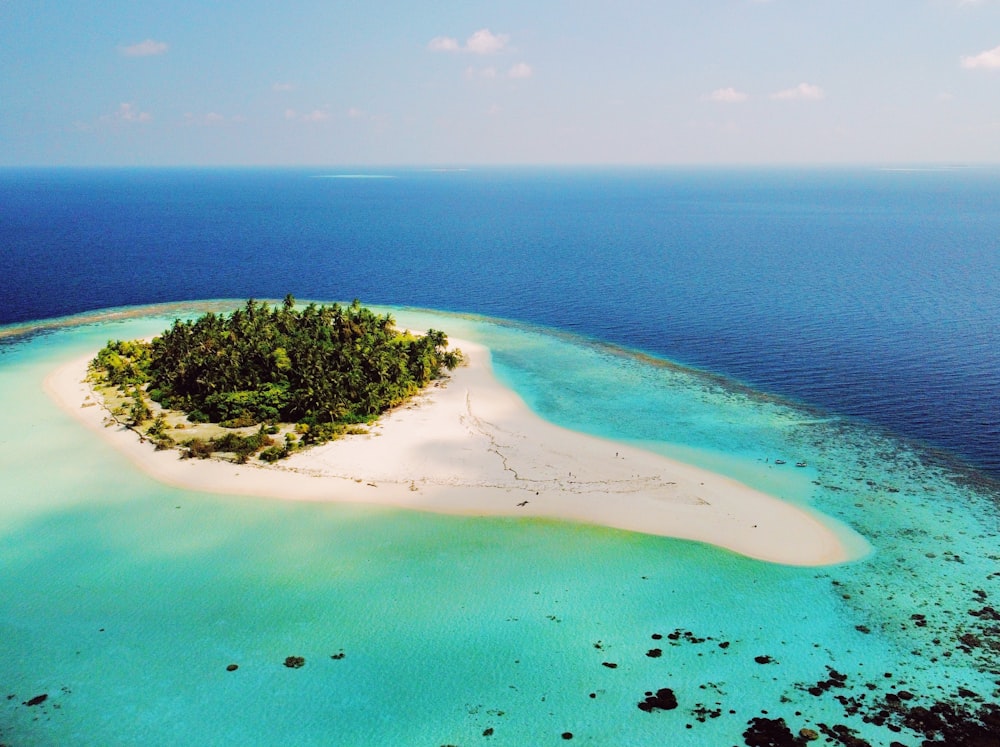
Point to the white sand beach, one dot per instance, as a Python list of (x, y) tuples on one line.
[(471, 446)]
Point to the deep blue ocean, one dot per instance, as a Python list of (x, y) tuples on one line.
[(867, 293), (845, 320)]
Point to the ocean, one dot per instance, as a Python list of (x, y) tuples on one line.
[(844, 317), (868, 293)]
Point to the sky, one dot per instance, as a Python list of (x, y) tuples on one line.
[(436, 82)]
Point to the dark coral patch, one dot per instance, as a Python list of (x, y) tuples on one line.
[(664, 700)]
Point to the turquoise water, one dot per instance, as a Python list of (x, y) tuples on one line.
[(124, 600)]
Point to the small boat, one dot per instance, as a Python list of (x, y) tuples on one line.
[(800, 464), (779, 461)]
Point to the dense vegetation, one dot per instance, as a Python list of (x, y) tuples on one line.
[(322, 367)]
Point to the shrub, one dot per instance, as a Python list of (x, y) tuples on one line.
[(163, 443), (273, 453), (199, 448), (157, 428), (243, 421), (139, 411), (243, 447)]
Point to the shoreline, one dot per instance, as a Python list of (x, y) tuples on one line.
[(468, 445)]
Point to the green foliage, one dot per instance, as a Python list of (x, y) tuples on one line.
[(124, 362), (274, 453), (163, 443), (248, 407), (321, 364), (241, 447), (323, 367), (139, 411), (157, 428), (198, 448)]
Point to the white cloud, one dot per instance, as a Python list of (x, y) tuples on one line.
[(146, 48), (127, 113), (483, 41), (989, 59), (486, 42), (520, 70), (283, 87), (727, 96), (801, 92)]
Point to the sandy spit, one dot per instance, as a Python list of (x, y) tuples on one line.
[(471, 446)]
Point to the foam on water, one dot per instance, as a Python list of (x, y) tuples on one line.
[(124, 600)]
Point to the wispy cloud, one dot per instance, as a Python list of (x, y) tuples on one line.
[(147, 48), (283, 87), (443, 44), (727, 96), (127, 113), (316, 115), (211, 119), (801, 92), (520, 70), (484, 73), (989, 59), (483, 41)]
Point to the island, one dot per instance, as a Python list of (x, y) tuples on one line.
[(459, 442), (265, 381)]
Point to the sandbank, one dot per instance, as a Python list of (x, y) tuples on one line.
[(471, 446)]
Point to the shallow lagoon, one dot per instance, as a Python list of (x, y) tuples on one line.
[(125, 600)]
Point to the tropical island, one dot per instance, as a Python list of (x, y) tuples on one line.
[(266, 380), (391, 418)]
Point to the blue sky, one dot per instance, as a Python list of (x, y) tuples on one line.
[(379, 82)]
